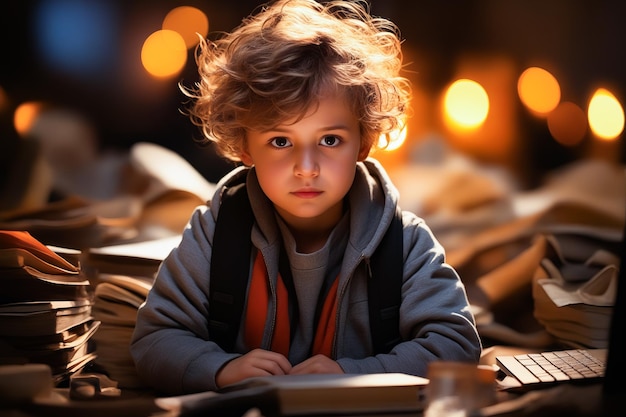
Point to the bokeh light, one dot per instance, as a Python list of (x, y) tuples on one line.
[(25, 116), (605, 114), (164, 53), (189, 22), (395, 139), (466, 105), (567, 124), (78, 37), (539, 90)]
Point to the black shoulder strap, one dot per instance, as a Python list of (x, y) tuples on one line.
[(385, 288), (230, 265), (230, 270)]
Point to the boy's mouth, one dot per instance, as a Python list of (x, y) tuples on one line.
[(307, 193)]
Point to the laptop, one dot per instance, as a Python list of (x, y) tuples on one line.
[(526, 372)]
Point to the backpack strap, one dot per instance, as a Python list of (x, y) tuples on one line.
[(230, 271), (385, 288), (230, 265)]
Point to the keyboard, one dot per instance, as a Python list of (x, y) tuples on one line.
[(536, 370)]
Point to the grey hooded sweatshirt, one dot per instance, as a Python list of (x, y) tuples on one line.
[(172, 346)]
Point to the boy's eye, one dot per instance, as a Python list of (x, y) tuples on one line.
[(330, 140), (279, 142)]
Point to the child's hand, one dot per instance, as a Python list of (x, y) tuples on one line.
[(257, 362), (318, 364)]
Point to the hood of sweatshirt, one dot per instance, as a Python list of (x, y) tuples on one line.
[(372, 203)]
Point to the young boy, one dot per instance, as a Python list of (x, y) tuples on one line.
[(300, 93)]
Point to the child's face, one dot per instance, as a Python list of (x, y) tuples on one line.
[(307, 167)]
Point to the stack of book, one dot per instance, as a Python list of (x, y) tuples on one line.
[(45, 307), (117, 298), (122, 276)]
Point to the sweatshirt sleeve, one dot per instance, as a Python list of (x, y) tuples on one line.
[(170, 343), (435, 318)]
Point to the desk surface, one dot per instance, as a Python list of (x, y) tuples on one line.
[(566, 400), (129, 403)]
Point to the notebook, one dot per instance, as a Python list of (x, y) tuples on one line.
[(308, 395)]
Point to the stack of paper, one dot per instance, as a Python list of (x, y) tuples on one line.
[(574, 298), (45, 307), (122, 276), (117, 298)]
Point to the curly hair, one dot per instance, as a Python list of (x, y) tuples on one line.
[(282, 58)]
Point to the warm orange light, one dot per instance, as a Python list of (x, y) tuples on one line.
[(189, 22), (395, 139), (164, 53), (606, 115), (483, 101), (466, 105), (567, 124), (539, 90), (25, 116)]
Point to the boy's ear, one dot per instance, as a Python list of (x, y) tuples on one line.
[(246, 158), (364, 152)]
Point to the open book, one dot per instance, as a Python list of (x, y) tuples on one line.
[(19, 248), (140, 259), (312, 394)]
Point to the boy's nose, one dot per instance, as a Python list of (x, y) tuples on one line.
[(306, 163)]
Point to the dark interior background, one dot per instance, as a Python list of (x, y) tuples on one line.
[(580, 39)]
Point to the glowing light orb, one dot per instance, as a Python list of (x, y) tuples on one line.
[(189, 22), (466, 104), (567, 124), (539, 90), (164, 53), (605, 115), (25, 116)]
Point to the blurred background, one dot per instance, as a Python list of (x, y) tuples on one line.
[(514, 154), (525, 86)]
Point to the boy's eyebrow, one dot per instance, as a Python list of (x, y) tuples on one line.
[(323, 128)]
